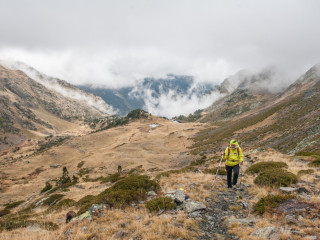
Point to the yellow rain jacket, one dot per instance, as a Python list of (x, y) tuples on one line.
[(234, 158)]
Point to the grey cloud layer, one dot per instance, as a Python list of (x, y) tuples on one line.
[(114, 43)]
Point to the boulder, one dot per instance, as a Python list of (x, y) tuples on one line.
[(180, 196), (86, 215), (270, 233), (97, 208), (288, 189), (56, 165), (290, 219), (191, 206), (152, 193)]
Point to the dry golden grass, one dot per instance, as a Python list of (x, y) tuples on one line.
[(134, 222)]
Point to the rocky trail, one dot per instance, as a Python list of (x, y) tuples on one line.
[(226, 204)]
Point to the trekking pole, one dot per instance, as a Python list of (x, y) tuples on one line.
[(217, 170), (239, 176)]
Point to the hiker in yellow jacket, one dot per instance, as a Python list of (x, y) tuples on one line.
[(233, 156)]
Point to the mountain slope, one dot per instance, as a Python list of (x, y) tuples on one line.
[(28, 108), (288, 122)]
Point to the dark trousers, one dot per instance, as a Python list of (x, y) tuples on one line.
[(235, 174)]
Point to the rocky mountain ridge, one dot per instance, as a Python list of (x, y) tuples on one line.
[(29, 109)]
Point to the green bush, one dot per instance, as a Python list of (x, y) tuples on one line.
[(222, 171), (271, 201), (4, 212), (80, 164), (64, 179), (11, 224), (127, 190), (305, 171), (156, 204), (13, 205), (263, 166), (121, 194), (112, 178), (314, 163), (63, 204), (47, 187), (276, 178), (53, 198)]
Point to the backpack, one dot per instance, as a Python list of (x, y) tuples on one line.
[(229, 152)]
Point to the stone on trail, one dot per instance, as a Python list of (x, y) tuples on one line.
[(270, 233), (191, 206), (288, 189), (180, 196)]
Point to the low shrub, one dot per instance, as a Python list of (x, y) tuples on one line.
[(276, 178), (80, 164), (63, 204), (11, 224), (156, 204), (305, 172), (314, 163), (4, 212), (263, 166), (53, 198), (222, 171), (47, 187), (122, 193), (13, 205), (271, 201), (127, 190), (112, 178)]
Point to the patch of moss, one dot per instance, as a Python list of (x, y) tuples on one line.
[(63, 204), (276, 178), (314, 163), (305, 172), (271, 201), (4, 212), (156, 204), (13, 205), (263, 166), (222, 171), (52, 199)]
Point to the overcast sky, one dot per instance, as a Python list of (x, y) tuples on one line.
[(117, 42)]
